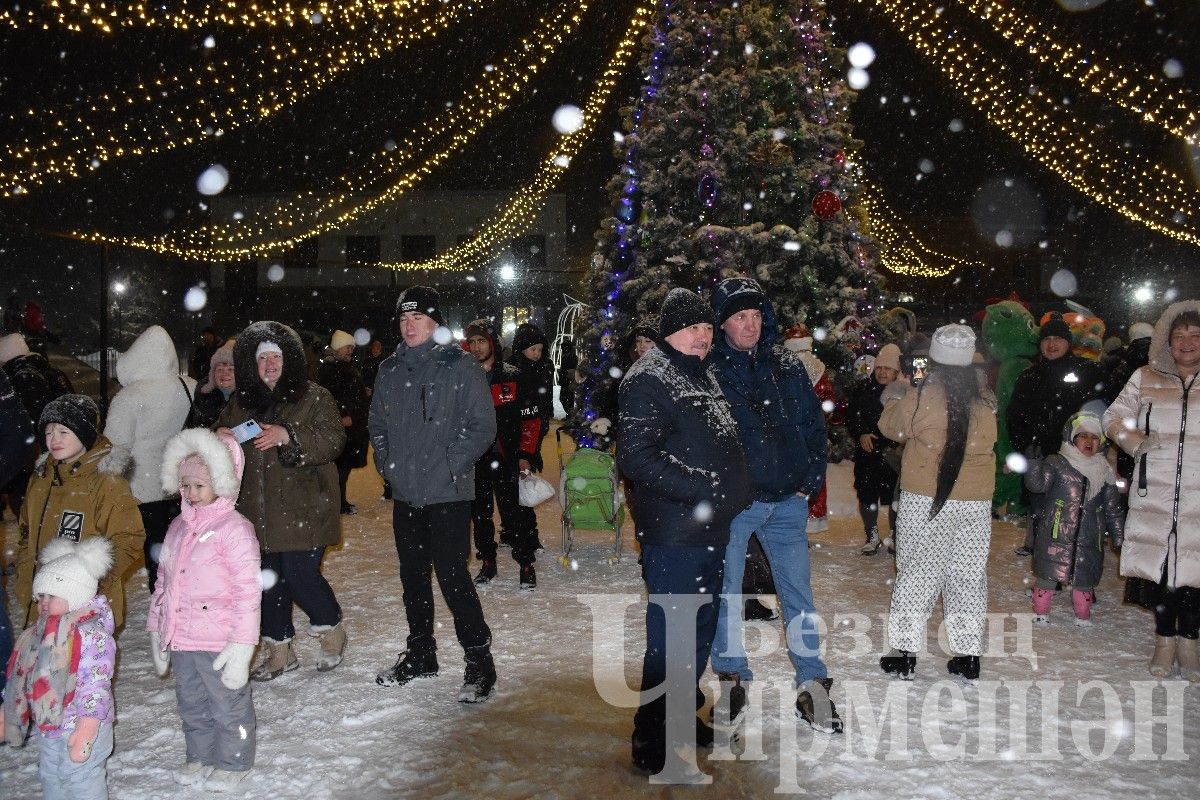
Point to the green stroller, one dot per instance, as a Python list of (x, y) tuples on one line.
[(590, 494)]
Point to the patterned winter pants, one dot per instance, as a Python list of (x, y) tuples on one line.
[(946, 556)]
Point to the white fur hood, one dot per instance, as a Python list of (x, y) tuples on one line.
[(221, 453)]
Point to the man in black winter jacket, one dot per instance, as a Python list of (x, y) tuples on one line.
[(1050, 390), (16, 450), (677, 442), (498, 471), (782, 430)]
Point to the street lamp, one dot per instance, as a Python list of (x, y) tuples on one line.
[(508, 272), (118, 288)]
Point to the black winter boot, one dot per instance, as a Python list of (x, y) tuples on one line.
[(528, 580), (966, 666), (487, 571), (731, 687), (755, 610), (900, 663), (480, 675), (814, 706), (415, 662)]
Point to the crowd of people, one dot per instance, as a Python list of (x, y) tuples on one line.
[(229, 486)]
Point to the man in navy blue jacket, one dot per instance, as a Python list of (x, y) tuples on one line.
[(782, 429), (677, 442)]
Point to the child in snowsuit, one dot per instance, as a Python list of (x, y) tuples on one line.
[(1081, 503), (60, 673), (77, 492), (204, 615)]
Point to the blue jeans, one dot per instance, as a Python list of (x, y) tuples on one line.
[(675, 570), (782, 530)]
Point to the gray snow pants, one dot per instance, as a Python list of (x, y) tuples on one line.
[(218, 723), (63, 779), (944, 556)]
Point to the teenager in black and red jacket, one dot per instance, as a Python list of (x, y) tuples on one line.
[(497, 472)]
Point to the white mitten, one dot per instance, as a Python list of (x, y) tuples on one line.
[(234, 664), (161, 658)]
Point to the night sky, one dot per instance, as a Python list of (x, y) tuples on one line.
[(904, 117)]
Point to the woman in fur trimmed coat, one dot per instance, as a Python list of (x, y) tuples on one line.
[(289, 489)]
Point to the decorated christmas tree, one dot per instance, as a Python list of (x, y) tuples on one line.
[(738, 159)]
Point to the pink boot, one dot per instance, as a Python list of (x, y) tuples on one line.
[(1082, 601), (1041, 605)]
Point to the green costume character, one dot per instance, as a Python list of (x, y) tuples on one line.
[(1011, 338)]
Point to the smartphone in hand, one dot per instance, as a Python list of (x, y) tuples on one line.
[(246, 431)]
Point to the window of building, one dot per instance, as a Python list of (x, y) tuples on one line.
[(304, 254), (418, 248), (362, 250)]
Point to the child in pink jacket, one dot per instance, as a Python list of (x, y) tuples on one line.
[(60, 672), (204, 615)]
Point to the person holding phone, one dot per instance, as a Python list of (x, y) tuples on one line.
[(289, 489)]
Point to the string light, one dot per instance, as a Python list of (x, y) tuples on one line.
[(517, 217), (1153, 195), (80, 139), (76, 16), (465, 118), (900, 249), (1147, 95)]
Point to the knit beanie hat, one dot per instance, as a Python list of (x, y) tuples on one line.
[(889, 356), (952, 346), (682, 309), (527, 335), (194, 467), (340, 339), (421, 299), (1086, 422), (1055, 326), (737, 294), (1138, 330), (267, 347), (77, 412), (73, 571), (12, 346), (480, 327)]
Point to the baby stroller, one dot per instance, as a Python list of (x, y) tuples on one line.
[(590, 494)]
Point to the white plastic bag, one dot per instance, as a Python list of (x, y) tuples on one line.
[(534, 491)]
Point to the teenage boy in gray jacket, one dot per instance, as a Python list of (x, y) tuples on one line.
[(431, 418)]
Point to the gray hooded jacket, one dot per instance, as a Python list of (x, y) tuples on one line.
[(431, 419)]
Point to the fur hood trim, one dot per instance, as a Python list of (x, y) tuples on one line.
[(221, 454), (1160, 349), (252, 393)]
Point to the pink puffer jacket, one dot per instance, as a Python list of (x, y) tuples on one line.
[(209, 585)]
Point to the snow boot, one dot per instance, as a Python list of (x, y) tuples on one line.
[(1188, 655), (1041, 606), (487, 571), (1162, 663), (333, 643), (814, 706), (966, 666), (757, 610), (280, 658), (731, 687), (528, 580), (873, 543), (900, 663), (192, 773), (1082, 602), (480, 675), (649, 756), (418, 661), (223, 780)]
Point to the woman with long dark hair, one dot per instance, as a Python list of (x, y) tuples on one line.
[(947, 425)]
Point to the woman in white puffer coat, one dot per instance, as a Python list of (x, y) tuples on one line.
[(151, 407), (1156, 419)]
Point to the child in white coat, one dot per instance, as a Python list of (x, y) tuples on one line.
[(204, 616)]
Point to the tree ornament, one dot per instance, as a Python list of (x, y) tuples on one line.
[(826, 205), (769, 153), (839, 157)]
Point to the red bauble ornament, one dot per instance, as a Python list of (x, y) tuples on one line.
[(826, 205), (840, 157)]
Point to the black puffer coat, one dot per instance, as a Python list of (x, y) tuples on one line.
[(872, 475), (345, 383), (536, 385), (678, 443), (1069, 543), (1044, 398)]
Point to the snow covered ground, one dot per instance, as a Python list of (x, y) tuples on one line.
[(1087, 721)]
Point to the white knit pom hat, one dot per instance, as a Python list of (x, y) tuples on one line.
[(73, 571), (953, 345)]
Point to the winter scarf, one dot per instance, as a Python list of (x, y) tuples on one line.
[(1095, 468), (42, 675)]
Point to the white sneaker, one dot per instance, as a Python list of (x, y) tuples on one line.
[(192, 773), (872, 545), (1083, 623), (223, 780), (1041, 619)]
